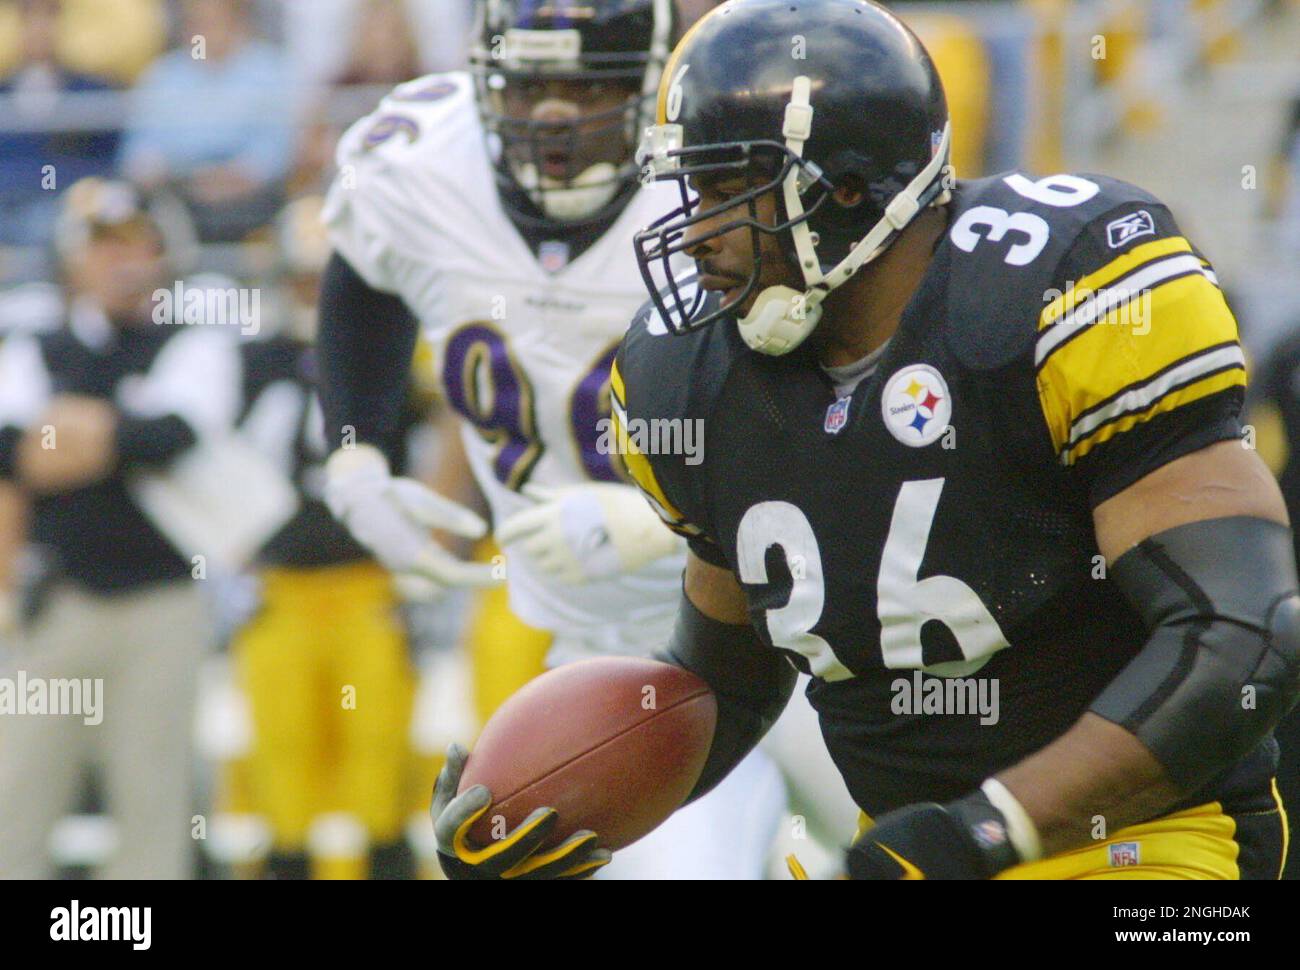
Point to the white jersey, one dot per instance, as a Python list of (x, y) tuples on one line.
[(522, 353)]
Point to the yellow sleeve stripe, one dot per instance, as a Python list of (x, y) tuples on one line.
[(638, 465), (1127, 296), (616, 384), (1234, 376), (1112, 271), (1133, 344)]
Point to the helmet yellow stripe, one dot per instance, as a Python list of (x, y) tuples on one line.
[(670, 69)]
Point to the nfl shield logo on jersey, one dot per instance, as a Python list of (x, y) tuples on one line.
[(553, 255), (1123, 854), (837, 415)]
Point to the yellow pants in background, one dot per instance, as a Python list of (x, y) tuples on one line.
[(503, 652), (326, 670)]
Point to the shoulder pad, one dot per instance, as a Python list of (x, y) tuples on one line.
[(419, 113), (675, 376), (419, 142), (1009, 240)]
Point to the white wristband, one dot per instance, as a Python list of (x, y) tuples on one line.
[(1020, 827), (359, 458)]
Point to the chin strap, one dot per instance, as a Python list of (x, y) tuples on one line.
[(593, 189), (783, 317)]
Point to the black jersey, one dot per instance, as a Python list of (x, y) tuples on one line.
[(283, 417), (927, 542)]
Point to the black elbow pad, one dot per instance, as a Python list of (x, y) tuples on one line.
[(1222, 666)]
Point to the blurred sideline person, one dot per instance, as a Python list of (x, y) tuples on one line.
[(82, 409), (326, 770), (497, 208)]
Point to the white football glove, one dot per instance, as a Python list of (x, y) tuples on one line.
[(393, 517), (580, 533)]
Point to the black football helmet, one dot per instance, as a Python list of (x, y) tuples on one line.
[(799, 96), (519, 46)]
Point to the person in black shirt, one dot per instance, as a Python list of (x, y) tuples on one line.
[(118, 632)]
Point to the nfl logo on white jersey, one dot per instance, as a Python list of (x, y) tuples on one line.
[(553, 255)]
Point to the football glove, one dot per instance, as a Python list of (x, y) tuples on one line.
[(392, 517), (516, 856), (965, 839), (581, 533)]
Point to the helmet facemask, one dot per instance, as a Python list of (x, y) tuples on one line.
[(781, 316), (574, 168), (767, 166)]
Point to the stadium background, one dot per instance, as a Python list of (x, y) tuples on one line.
[(1196, 100)]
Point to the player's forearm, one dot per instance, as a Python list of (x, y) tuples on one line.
[(365, 345), (450, 475), (751, 682), (1089, 783), (1221, 668)]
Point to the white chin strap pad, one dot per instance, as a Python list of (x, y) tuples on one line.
[(780, 320), (593, 189)]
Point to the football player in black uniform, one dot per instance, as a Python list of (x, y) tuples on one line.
[(963, 442)]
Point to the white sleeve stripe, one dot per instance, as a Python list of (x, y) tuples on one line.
[(1140, 398), (1096, 306)]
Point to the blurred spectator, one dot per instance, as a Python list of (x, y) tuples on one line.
[(34, 164), (962, 62), (138, 29), (116, 615), (321, 35), (384, 51), (1284, 189), (215, 119)]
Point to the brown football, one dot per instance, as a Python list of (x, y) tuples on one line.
[(613, 744)]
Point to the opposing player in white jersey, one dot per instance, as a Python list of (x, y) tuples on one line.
[(496, 207)]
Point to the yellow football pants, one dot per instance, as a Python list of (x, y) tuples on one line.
[(326, 671), (1203, 842), (504, 651)]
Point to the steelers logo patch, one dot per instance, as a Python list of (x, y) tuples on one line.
[(916, 405)]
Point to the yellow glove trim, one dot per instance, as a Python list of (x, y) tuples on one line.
[(474, 857), (539, 859)]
